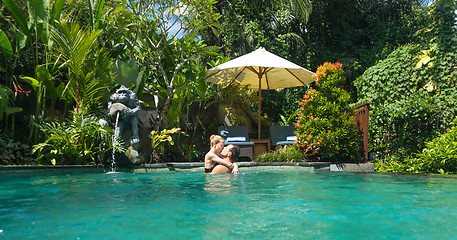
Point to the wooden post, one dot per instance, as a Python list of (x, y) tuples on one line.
[(362, 114), (260, 102)]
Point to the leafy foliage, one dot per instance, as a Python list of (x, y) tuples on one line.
[(413, 90), (401, 114), (14, 153), (286, 154), (358, 33), (78, 140), (325, 125), (439, 156), (163, 136), (88, 67), (238, 99), (6, 102), (248, 25)]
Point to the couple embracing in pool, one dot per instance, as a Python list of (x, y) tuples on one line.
[(221, 159)]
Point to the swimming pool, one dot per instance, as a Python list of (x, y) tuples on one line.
[(255, 204)]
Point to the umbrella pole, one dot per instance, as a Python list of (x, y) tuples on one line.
[(260, 104)]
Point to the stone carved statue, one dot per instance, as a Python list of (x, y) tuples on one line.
[(125, 102)]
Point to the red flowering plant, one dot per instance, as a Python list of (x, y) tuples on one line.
[(325, 124)]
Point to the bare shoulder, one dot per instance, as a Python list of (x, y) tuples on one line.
[(210, 156)]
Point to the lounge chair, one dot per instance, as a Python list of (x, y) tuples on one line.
[(238, 135), (282, 135)]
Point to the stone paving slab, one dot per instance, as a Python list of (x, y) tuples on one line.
[(352, 167)]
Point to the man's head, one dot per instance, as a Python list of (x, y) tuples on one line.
[(232, 152)]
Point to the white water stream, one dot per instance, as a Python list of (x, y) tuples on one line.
[(113, 158)]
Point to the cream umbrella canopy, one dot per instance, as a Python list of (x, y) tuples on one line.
[(261, 70)]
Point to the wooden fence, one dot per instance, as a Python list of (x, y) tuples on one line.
[(362, 113)]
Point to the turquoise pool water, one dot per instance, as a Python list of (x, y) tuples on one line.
[(256, 204)]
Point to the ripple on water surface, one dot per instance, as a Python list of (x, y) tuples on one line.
[(258, 204)]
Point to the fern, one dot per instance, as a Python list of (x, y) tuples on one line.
[(79, 140)]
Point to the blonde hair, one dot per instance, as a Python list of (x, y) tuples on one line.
[(215, 139)]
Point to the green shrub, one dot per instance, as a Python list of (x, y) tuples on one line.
[(325, 124), (286, 154), (439, 156), (404, 126), (14, 153), (392, 163), (79, 140)]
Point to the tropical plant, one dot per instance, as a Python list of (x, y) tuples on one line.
[(44, 87), (286, 154), (6, 103), (78, 140), (128, 74), (88, 66), (439, 156), (166, 40), (413, 89), (32, 36), (290, 120), (273, 24), (5, 45), (238, 100), (7, 108), (14, 153), (36, 26), (158, 138), (326, 126)]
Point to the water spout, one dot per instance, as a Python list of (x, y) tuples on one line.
[(116, 133)]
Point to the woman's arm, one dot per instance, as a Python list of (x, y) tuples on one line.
[(221, 161)]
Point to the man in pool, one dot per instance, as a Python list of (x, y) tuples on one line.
[(214, 157), (230, 153)]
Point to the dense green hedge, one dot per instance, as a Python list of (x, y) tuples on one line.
[(414, 89)]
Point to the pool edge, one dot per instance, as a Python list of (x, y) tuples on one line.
[(198, 166)]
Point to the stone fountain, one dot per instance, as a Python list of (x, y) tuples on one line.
[(124, 106)]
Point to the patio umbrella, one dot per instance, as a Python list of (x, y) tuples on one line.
[(261, 70)]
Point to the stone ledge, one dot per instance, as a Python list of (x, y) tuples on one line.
[(241, 164), (180, 166), (197, 166), (50, 167), (352, 167)]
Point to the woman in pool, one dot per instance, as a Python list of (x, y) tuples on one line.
[(214, 157)]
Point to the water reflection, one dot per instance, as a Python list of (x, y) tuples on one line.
[(220, 184)]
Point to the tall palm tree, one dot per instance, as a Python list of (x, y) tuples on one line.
[(300, 9), (243, 19)]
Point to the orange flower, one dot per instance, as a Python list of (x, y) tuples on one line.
[(326, 68)]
